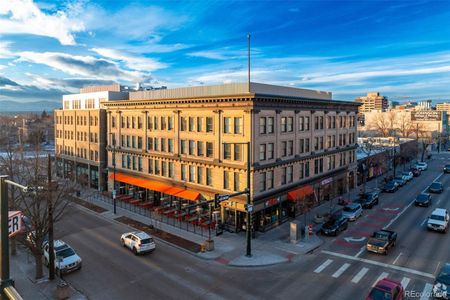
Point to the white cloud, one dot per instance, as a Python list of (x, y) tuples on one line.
[(5, 52), (25, 17), (131, 60), (224, 53), (2, 67)]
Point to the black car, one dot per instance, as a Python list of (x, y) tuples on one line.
[(390, 187), (447, 169), (436, 187), (423, 199), (442, 282), (369, 200), (334, 226)]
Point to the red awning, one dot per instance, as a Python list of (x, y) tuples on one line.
[(300, 193), (156, 186)]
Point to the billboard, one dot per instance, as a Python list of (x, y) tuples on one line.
[(426, 115)]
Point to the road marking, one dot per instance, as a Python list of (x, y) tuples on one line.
[(352, 239), (435, 271), (404, 269), (382, 276), (405, 281), (360, 251), (341, 270), (395, 260), (360, 275), (423, 222), (407, 206), (323, 266), (426, 293), (438, 201)]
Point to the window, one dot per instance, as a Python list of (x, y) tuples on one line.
[(171, 169), (262, 125), (290, 148), (321, 143), (226, 180), (191, 147), (226, 125), (307, 122), (157, 169), (270, 151), (334, 122), (113, 122), (191, 124), (262, 152), (316, 143), (237, 152), (270, 180), (156, 144), (183, 172), (199, 124), (209, 149), (301, 147), (301, 123), (183, 146), (169, 124), (270, 125), (164, 169), (284, 176), (283, 148), (183, 124), (227, 151), (290, 124), (163, 123), (333, 140), (209, 124), (237, 125), (329, 141), (289, 175), (199, 175), (170, 145), (236, 181), (191, 174), (155, 123), (301, 171), (307, 149), (149, 123), (283, 124), (316, 123), (163, 145), (306, 169), (208, 176), (329, 122), (321, 122), (200, 148), (139, 122), (134, 162), (263, 181)]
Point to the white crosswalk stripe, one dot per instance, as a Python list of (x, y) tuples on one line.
[(323, 266), (405, 282), (341, 270), (383, 275), (426, 293), (360, 275)]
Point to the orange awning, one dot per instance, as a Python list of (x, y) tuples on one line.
[(300, 193), (156, 186)]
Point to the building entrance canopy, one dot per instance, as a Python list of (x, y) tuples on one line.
[(300, 193), (157, 186)]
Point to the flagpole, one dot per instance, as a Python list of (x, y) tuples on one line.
[(248, 59)]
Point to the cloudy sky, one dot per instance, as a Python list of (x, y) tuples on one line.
[(400, 48)]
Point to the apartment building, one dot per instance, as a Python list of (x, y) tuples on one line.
[(80, 135), (188, 144), (373, 101)]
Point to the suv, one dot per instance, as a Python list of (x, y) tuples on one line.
[(422, 166), (333, 226), (438, 220), (408, 175), (138, 242), (66, 260), (423, 199), (442, 283), (400, 180), (390, 187), (447, 169), (352, 211), (436, 187)]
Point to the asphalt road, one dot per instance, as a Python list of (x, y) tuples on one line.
[(341, 269)]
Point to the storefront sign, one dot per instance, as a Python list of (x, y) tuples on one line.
[(326, 181), (272, 202), (14, 222), (426, 115)]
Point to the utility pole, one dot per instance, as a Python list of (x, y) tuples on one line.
[(4, 241), (114, 175), (249, 202), (51, 253)]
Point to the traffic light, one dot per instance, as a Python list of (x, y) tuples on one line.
[(216, 200)]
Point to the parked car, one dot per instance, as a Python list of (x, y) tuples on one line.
[(436, 187), (400, 180), (438, 220), (423, 199), (387, 288), (334, 226), (442, 283), (390, 187), (381, 241), (416, 172), (422, 166), (138, 242), (66, 259), (352, 211), (408, 175), (447, 169), (343, 201), (369, 200)]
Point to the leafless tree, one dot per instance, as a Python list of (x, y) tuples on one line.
[(380, 124), (404, 125)]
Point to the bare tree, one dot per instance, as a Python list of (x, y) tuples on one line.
[(381, 124), (392, 122), (371, 159), (404, 125)]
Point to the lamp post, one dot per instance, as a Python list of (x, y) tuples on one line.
[(114, 192)]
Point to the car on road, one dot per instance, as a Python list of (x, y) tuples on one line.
[(422, 166), (390, 187), (352, 211), (436, 187), (441, 287), (416, 172), (400, 180), (138, 242), (423, 199), (369, 200), (381, 241), (387, 289), (334, 226), (446, 169), (438, 220), (408, 175), (66, 259)]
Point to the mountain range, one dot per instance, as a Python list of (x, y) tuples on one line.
[(7, 106)]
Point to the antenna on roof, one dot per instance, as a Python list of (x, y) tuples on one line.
[(248, 38)]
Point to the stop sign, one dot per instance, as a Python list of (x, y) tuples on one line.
[(14, 222)]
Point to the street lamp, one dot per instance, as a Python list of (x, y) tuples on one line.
[(114, 192), (249, 209)]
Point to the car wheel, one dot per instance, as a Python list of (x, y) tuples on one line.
[(135, 251)]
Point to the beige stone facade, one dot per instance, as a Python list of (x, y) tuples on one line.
[(373, 101)]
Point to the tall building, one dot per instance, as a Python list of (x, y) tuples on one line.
[(443, 107), (187, 144), (80, 135), (373, 101), (424, 105)]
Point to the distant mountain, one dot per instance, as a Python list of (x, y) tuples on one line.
[(38, 106)]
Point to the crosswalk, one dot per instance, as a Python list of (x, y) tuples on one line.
[(330, 264)]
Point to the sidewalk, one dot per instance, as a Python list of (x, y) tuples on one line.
[(22, 269)]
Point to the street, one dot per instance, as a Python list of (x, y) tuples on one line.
[(340, 269)]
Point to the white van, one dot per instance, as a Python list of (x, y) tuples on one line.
[(138, 242), (438, 220)]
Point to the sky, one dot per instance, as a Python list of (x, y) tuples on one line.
[(398, 48)]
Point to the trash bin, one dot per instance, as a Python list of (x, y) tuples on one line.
[(62, 290)]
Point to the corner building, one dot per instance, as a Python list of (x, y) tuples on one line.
[(187, 144)]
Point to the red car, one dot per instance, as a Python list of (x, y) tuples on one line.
[(387, 289)]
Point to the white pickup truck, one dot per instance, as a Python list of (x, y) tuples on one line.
[(438, 220)]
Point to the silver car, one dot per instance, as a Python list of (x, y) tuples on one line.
[(352, 211)]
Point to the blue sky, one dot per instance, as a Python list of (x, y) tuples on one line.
[(399, 48)]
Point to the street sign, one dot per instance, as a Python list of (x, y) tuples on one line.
[(223, 197), (14, 222), (114, 194), (249, 207)]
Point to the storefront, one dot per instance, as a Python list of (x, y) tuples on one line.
[(300, 200)]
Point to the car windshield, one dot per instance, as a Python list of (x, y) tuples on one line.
[(377, 294), (398, 178), (443, 277), (65, 252), (146, 241), (447, 166), (350, 209), (437, 217), (422, 197), (406, 173), (381, 235), (436, 185)]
